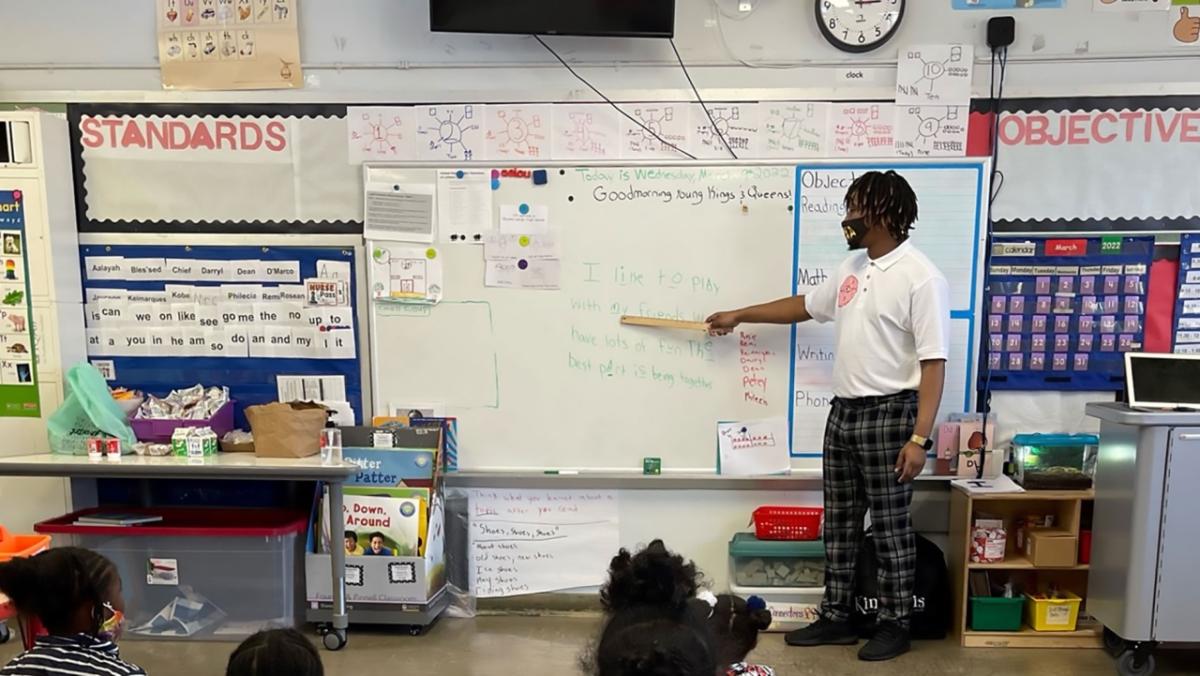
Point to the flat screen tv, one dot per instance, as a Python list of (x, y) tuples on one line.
[(621, 18)]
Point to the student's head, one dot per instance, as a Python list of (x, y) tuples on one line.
[(70, 590), (350, 538), (278, 652), (376, 540), (651, 629), (879, 205), (734, 624)]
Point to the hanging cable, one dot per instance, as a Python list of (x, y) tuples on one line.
[(995, 103), (610, 101), (715, 128)]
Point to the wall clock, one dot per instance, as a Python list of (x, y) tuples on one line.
[(858, 25)]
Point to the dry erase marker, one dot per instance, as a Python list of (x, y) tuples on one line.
[(561, 471)]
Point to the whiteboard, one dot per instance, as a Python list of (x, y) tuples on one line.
[(549, 379), (951, 230)]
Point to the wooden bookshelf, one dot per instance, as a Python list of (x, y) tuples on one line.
[(1067, 506)]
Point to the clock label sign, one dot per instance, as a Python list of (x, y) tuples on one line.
[(858, 26)]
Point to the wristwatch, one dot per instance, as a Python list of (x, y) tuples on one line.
[(924, 442)]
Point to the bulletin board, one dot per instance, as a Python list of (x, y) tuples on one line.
[(251, 379)]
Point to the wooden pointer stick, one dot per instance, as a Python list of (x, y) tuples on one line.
[(655, 322)]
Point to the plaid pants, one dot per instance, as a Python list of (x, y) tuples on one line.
[(863, 438)]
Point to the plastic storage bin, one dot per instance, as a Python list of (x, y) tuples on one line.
[(1046, 614), (996, 613), (160, 429), (776, 563), (788, 523), (1055, 461), (200, 574)]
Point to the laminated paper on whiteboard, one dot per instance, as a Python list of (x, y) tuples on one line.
[(498, 246), (241, 293), (151, 297), (304, 341), (280, 271), (180, 293), (243, 271), (519, 219), (92, 295), (212, 271)]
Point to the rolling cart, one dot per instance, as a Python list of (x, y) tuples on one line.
[(406, 591), (1142, 584)]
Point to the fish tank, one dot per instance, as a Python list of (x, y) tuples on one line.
[(1055, 461)]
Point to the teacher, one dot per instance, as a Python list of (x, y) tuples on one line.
[(891, 306)]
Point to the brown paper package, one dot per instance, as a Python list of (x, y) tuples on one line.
[(287, 430)]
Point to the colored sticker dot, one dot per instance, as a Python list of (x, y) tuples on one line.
[(524, 209), (523, 240), (431, 253), (522, 264), (495, 173), (495, 184), (459, 173)]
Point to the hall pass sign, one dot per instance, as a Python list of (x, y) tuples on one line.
[(187, 138)]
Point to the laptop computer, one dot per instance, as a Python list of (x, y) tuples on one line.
[(1162, 381)]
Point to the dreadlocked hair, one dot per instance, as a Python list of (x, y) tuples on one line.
[(53, 585), (884, 198)]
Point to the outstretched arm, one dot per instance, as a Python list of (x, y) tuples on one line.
[(783, 311)]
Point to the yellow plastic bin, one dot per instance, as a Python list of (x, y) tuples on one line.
[(1047, 614)]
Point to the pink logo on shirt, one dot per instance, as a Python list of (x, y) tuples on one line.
[(846, 293)]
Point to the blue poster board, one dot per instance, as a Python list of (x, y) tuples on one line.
[(251, 380), (1061, 312), (1185, 339)]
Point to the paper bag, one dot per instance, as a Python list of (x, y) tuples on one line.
[(286, 430)]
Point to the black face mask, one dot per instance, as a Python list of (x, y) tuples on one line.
[(854, 229)]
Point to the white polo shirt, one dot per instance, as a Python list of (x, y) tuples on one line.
[(891, 314)]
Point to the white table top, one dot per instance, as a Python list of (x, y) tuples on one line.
[(220, 466)]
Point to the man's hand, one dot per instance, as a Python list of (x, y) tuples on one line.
[(910, 463), (722, 323)]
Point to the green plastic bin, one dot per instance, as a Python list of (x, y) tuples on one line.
[(993, 613)]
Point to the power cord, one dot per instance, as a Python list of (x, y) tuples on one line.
[(995, 101), (610, 101), (695, 91)]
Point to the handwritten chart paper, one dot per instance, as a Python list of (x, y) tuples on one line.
[(754, 448), (931, 131), (934, 74), (453, 132), (738, 123), (862, 130), (518, 132), (669, 123), (531, 541), (588, 131), (381, 133), (795, 129)]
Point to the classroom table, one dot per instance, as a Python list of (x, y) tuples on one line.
[(227, 466)]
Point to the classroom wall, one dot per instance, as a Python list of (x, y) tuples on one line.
[(382, 50)]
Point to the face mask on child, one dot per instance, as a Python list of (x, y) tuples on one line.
[(114, 624)]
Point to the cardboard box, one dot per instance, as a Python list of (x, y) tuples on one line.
[(1053, 548)]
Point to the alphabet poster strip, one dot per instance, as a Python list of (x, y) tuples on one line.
[(18, 363), (228, 44)]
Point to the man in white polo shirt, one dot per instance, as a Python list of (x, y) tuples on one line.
[(891, 306)]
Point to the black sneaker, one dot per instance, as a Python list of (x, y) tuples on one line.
[(823, 632), (890, 641)]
